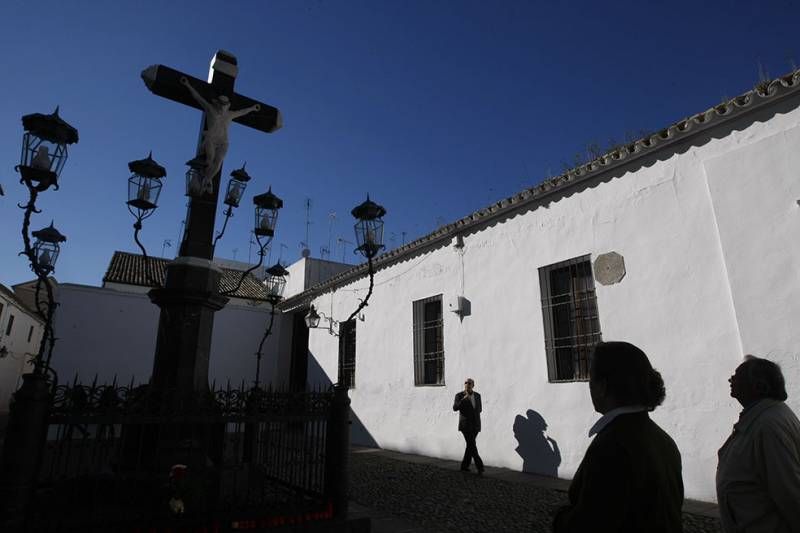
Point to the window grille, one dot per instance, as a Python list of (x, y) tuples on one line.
[(347, 354), (30, 333), (10, 324), (428, 341), (571, 322)]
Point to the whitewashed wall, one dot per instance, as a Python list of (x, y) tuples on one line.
[(108, 332), (711, 248), (20, 349)]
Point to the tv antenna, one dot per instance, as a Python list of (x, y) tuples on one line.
[(343, 243), (166, 244), (306, 252), (280, 255)]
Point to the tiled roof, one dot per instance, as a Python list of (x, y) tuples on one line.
[(129, 269), (766, 93)]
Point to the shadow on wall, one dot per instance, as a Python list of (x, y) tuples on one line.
[(540, 453), (318, 378)]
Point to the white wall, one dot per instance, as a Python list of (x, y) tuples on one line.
[(20, 349), (108, 332), (307, 272), (709, 239)]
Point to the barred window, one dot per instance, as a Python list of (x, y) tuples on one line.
[(347, 354), (10, 324), (30, 333), (571, 323), (428, 341)]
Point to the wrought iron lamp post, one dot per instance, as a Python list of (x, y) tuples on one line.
[(275, 283), (44, 153), (236, 187), (369, 237), (267, 206), (144, 188)]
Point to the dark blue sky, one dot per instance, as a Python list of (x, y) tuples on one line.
[(435, 108)]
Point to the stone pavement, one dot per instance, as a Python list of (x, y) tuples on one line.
[(405, 493)]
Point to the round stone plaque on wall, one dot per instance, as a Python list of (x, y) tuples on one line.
[(609, 268)]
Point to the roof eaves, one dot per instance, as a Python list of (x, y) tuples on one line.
[(765, 93)]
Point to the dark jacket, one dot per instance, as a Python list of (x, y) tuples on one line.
[(628, 482), (469, 418)]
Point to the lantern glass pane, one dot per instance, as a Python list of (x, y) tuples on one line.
[(42, 155), (312, 319), (369, 235), (235, 192), (265, 221), (143, 192), (275, 286), (46, 254)]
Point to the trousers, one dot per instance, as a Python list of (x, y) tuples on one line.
[(471, 452)]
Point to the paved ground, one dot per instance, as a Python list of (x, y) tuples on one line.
[(405, 493)]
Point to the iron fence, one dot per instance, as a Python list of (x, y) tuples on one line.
[(124, 458)]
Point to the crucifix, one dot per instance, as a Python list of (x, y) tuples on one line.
[(190, 295), (220, 106)]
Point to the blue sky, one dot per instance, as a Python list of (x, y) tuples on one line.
[(434, 108)]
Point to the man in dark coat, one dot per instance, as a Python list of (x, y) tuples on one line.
[(468, 405), (630, 478)]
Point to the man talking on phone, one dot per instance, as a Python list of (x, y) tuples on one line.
[(468, 405)]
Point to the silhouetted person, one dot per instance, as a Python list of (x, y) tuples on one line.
[(758, 475), (630, 478), (468, 405), (540, 453)]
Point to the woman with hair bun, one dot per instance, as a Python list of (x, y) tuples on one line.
[(630, 478)]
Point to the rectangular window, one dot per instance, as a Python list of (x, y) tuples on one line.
[(428, 341), (30, 333), (10, 324), (571, 323), (347, 354)]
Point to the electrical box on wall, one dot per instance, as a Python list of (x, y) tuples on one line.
[(460, 306)]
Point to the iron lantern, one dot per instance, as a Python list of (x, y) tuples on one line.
[(236, 186), (46, 248), (144, 186), (275, 283), (44, 149), (267, 206), (369, 227), (312, 318)]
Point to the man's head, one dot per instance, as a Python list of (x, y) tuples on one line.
[(469, 384), (223, 102), (756, 379)]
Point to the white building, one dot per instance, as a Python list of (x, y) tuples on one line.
[(20, 334), (111, 330), (686, 243)]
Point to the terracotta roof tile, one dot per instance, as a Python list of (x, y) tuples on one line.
[(129, 269)]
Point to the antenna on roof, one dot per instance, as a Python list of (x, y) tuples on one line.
[(306, 252), (166, 244), (344, 244)]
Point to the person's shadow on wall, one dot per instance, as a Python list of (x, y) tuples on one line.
[(540, 453)]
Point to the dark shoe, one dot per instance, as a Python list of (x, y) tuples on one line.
[(463, 469)]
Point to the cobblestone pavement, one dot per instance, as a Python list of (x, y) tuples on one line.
[(441, 499)]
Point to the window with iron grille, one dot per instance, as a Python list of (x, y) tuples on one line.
[(428, 341), (10, 324), (347, 354), (30, 333), (571, 323)]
